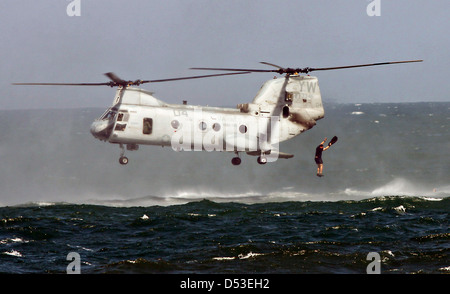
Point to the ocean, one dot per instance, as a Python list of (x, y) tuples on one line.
[(66, 204)]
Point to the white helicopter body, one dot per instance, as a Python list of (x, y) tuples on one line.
[(282, 109)]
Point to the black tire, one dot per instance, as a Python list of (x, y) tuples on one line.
[(236, 161), (123, 160), (259, 160)]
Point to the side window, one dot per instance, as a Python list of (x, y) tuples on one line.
[(202, 126), (243, 129), (148, 126), (123, 116), (288, 96), (285, 111), (120, 127)]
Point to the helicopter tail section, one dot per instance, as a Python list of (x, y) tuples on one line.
[(295, 100)]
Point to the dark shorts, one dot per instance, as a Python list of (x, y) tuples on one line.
[(318, 160)]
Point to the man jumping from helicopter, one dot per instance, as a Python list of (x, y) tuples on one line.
[(318, 157)]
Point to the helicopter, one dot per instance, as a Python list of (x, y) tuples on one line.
[(282, 109)]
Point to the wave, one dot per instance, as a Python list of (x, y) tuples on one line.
[(402, 187), (399, 188)]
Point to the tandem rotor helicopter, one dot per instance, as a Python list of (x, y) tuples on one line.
[(282, 109)]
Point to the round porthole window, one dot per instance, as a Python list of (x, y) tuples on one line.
[(243, 129), (175, 124), (202, 125), (216, 127)]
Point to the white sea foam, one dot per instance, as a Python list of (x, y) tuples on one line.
[(224, 258), (13, 252), (13, 240), (400, 209), (404, 187), (249, 255)]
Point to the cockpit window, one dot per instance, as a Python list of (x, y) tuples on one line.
[(123, 116), (108, 115)]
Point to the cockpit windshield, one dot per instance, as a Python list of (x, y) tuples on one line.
[(108, 115)]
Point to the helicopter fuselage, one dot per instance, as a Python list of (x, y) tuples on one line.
[(282, 109)]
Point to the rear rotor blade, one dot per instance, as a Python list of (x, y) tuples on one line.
[(304, 70), (362, 65), (271, 64)]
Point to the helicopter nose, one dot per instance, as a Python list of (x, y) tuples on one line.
[(100, 129)]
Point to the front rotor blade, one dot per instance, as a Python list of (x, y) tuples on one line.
[(113, 77), (362, 65), (234, 69), (62, 84), (193, 77)]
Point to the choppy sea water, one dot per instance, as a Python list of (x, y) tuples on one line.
[(411, 235), (385, 190)]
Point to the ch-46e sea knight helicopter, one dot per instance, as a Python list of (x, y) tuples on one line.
[(282, 109)]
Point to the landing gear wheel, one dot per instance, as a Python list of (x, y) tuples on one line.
[(123, 160), (261, 160), (236, 161)]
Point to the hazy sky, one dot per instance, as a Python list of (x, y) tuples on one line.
[(145, 39)]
